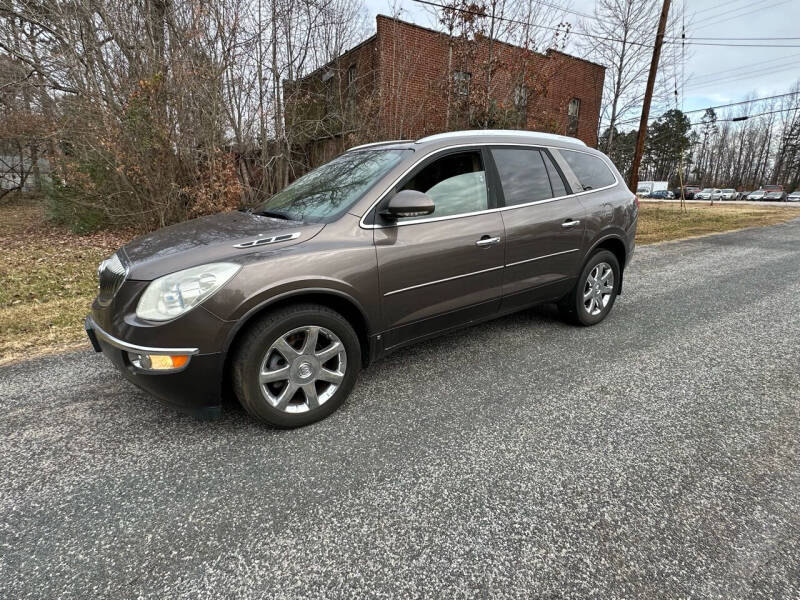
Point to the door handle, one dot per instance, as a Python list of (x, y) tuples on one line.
[(569, 224), (487, 241)]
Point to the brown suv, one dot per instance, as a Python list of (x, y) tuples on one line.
[(386, 245)]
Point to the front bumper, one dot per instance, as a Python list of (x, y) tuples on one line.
[(196, 387)]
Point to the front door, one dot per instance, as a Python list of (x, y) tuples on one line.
[(445, 269), (544, 227)]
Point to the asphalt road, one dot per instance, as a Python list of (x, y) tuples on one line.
[(656, 455)]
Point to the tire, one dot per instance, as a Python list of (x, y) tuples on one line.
[(276, 349), (572, 306)]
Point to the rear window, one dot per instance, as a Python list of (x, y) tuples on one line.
[(523, 175), (590, 170)]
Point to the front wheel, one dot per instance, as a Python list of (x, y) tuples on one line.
[(595, 291), (296, 366)]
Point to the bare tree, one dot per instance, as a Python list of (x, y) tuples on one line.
[(620, 36)]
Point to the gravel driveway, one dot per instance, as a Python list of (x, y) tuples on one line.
[(655, 455)]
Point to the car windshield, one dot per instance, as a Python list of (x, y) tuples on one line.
[(728, 191), (328, 191)]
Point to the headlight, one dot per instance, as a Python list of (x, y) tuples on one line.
[(172, 295)]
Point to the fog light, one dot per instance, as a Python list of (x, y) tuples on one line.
[(158, 362)]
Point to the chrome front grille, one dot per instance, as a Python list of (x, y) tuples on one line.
[(111, 275)]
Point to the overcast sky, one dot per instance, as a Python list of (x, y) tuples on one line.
[(715, 74)]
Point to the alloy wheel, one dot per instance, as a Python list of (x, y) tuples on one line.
[(598, 288), (302, 369)]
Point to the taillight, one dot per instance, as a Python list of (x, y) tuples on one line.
[(636, 200)]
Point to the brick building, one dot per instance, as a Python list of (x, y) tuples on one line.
[(408, 81)]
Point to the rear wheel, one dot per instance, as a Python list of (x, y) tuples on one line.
[(595, 291), (296, 365)]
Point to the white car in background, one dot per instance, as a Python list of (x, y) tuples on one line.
[(757, 195), (709, 194), (793, 197), (729, 194), (775, 196)]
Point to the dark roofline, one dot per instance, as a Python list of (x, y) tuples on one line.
[(321, 68), (374, 36), (573, 57), (443, 34)]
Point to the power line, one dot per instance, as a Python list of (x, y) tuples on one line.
[(702, 10), (567, 10), (700, 83), (691, 43), (739, 39), (731, 80), (527, 24), (697, 110), (704, 22), (746, 117), (728, 11), (600, 37), (747, 66)]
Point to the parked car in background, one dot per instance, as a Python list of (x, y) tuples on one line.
[(729, 194), (794, 196), (662, 195), (645, 188), (757, 195), (690, 191), (709, 194), (743, 195), (778, 196), (386, 245)]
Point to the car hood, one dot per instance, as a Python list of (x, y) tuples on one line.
[(208, 239)]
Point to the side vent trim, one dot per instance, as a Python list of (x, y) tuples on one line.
[(284, 237)]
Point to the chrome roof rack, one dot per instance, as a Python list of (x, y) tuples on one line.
[(370, 145), (527, 135)]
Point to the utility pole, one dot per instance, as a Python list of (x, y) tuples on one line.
[(648, 97)]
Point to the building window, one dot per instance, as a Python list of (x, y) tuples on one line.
[(521, 103), (573, 113), (351, 82), (461, 81), (327, 90)]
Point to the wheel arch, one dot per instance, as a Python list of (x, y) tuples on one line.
[(616, 245), (336, 300)]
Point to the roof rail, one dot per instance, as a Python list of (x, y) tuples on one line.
[(500, 132), (370, 145)]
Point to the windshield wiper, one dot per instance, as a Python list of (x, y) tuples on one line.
[(274, 214)]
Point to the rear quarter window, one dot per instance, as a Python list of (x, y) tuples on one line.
[(591, 171)]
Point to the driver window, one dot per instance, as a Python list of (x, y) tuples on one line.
[(456, 183)]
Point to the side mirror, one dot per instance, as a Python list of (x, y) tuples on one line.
[(408, 203)]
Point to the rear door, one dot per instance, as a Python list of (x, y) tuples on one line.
[(441, 270), (543, 223)]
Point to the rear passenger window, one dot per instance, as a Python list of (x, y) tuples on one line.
[(455, 183), (590, 170), (556, 181), (522, 175)]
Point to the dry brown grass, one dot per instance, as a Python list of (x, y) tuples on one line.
[(47, 280), (664, 221), (47, 274)]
